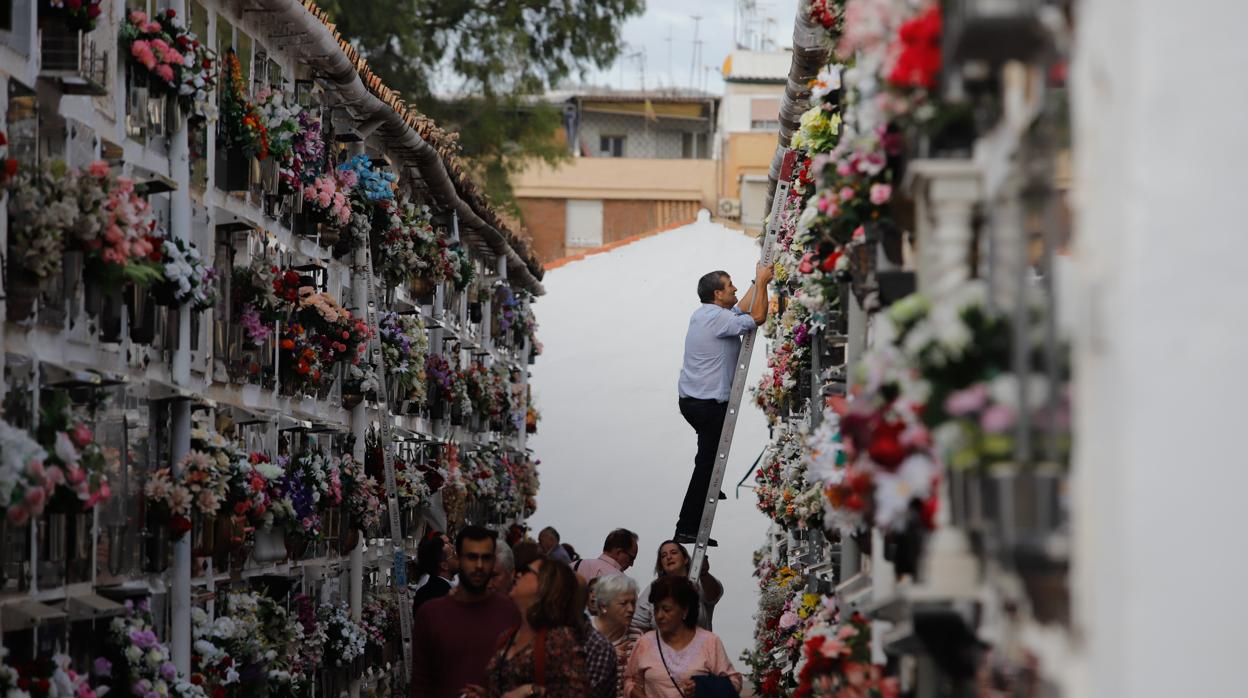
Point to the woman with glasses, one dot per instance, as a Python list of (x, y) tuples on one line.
[(673, 561), (670, 660), (544, 655)]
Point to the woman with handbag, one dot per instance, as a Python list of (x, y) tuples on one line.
[(673, 560), (544, 656), (678, 659)]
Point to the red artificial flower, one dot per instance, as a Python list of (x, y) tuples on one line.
[(73, 5), (10, 167), (4, 140), (917, 51), (828, 264), (302, 367), (93, 11), (171, 13), (288, 344), (885, 448), (179, 525)]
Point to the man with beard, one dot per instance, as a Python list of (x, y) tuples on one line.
[(455, 636)]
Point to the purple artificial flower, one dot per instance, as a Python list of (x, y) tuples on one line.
[(102, 667), (169, 671)]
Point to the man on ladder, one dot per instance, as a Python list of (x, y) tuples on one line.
[(712, 346)]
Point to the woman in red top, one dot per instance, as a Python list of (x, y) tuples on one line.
[(544, 656)]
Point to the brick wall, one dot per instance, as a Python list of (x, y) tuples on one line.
[(623, 218), (546, 220)]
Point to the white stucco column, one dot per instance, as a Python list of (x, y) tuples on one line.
[(1161, 257), (945, 193)]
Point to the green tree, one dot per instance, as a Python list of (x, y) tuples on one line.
[(475, 67)]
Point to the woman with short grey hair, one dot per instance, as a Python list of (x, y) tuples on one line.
[(615, 598)]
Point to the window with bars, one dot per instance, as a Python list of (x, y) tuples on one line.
[(611, 146)]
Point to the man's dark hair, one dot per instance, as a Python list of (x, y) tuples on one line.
[(680, 590), (709, 284), (619, 539), (429, 555), (551, 530), (473, 533), (525, 553)]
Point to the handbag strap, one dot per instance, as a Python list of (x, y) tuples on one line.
[(659, 642), (539, 658)]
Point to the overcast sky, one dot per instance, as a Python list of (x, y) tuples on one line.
[(668, 63)]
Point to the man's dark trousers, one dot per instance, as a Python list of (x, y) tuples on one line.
[(707, 419)]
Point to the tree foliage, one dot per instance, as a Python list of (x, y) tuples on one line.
[(473, 66)]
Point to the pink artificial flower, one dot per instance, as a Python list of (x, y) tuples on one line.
[(963, 402), (34, 499), (996, 419), (100, 494), (152, 28), (142, 53), (859, 233), (137, 17), (843, 169), (18, 514), (81, 435), (99, 169), (164, 72), (880, 193), (846, 193), (75, 475)]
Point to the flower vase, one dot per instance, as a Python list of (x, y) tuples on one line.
[(422, 289), (79, 558), (142, 314), (270, 545), (269, 180), (475, 312), (296, 545), (203, 535), (233, 170), (22, 292), (350, 398), (327, 235), (156, 548), (348, 536), (174, 116), (457, 416), (53, 544), (230, 533), (105, 305)]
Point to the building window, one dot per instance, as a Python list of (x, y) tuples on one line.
[(611, 146), (765, 114), (694, 146)]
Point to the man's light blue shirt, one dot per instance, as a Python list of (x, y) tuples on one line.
[(711, 348)]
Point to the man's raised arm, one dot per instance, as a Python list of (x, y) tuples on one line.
[(755, 303)]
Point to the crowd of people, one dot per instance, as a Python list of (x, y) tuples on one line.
[(535, 619)]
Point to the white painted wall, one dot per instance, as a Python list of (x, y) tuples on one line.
[(735, 105), (1161, 579), (614, 449)]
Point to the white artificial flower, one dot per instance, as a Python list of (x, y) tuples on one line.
[(65, 449)]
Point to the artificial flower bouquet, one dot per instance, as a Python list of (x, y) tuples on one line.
[(75, 464), (48, 677), (836, 661), (176, 63), (242, 128), (202, 488), (186, 279), (345, 639), (312, 481), (327, 198), (78, 15), (139, 663), (404, 348), (362, 495)]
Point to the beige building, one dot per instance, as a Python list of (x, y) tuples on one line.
[(748, 121), (641, 161)]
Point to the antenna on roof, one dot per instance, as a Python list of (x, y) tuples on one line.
[(697, 48)]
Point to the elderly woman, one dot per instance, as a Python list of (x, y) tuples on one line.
[(666, 660), (673, 561), (616, 598)]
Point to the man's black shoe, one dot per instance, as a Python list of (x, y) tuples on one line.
[(692, 538)]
